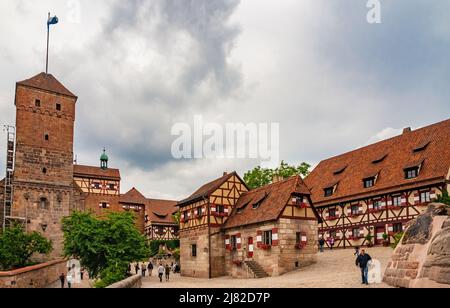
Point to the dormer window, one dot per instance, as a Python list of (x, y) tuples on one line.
[(379, 159), (258, 203), (411, 173), (340, 171), (369, 182), (421, 147), (329, 191)]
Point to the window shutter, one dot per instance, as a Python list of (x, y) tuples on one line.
[(404, 200), (433, 194), (361, 232), (349, 210), (303, 238), (251, 247), (275, 237), (226, 210), (259, 238), (227, 243), (327, 214), (238, 241), (389, 201), (361, 209), (383, 203), (370, 204), (390, 229), (213, 209), (416, 198)]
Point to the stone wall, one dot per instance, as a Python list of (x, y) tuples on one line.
[(279, 259), (422, 259), (194, 266), (133, 282), (37, 276)]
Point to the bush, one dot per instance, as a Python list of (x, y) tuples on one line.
[(397, 238), (17, 247), (105, 247), (444, 198), (154, 246)]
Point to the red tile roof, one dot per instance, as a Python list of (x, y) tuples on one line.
[(273, 199), (161, 211), (207, 189), (96, 172), (400, 155), (46, 82), (133, 197)]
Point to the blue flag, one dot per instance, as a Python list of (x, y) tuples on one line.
[(52, 20)]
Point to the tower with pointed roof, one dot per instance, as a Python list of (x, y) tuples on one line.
[(43, 175), (104, 160)]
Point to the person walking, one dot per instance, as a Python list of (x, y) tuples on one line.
[(144, 269), (167, 272), (62, 278), (331, 242), (136, 268), (150, 268), (69, 280), (321, 244), (363, 262), (161, 272)]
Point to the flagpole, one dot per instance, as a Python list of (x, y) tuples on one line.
[(48, 43)]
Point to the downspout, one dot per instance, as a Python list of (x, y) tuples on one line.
[(209, 239)]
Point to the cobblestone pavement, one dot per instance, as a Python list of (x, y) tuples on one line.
[(334, 269)]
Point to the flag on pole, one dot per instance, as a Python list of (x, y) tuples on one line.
[(52, 20)]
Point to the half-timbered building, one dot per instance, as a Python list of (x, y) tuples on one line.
[(226, 229), (160, 223), (377, 189)]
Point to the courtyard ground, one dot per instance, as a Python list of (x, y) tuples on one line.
[(334, 269)]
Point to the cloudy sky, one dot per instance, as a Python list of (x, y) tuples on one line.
[(332, 80)]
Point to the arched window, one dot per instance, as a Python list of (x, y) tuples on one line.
[(43, 203)]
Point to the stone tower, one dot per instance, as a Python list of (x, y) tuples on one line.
[(43, 175)]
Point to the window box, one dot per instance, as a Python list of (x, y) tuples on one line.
[(333, 217), (300, 245), (265, 247)]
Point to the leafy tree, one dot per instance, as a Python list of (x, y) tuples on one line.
[(444, 198), (259, 177), (177, 217), (105, 247), (17, 247)]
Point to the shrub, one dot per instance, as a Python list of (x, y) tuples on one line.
[(17, 247), (397, 238)]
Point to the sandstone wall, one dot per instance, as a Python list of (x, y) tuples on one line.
[(422, 259), (134, 282), (194, 266), (38, 276)]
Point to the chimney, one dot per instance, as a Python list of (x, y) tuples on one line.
[(277, 178), (407, 130)]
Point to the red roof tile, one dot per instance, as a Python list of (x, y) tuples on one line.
[(46, 82), (400, 155), (96, 172), (161, 211), (273, 199), (133, 197)]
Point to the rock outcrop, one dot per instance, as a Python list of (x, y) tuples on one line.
[(422, 259)]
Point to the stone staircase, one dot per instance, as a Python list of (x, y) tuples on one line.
[(257, 269)]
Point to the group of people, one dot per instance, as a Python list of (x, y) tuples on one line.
[(161, 270), (322, 243), (70, 277)]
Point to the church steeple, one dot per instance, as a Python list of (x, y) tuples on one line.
[(104, 160)]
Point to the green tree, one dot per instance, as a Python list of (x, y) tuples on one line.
[(259, 176), (444, 198), (105, 247), (17, 247)]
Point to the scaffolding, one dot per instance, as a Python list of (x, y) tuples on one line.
[(8, 217)]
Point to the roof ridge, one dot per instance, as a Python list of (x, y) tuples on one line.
[(388, 139)]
